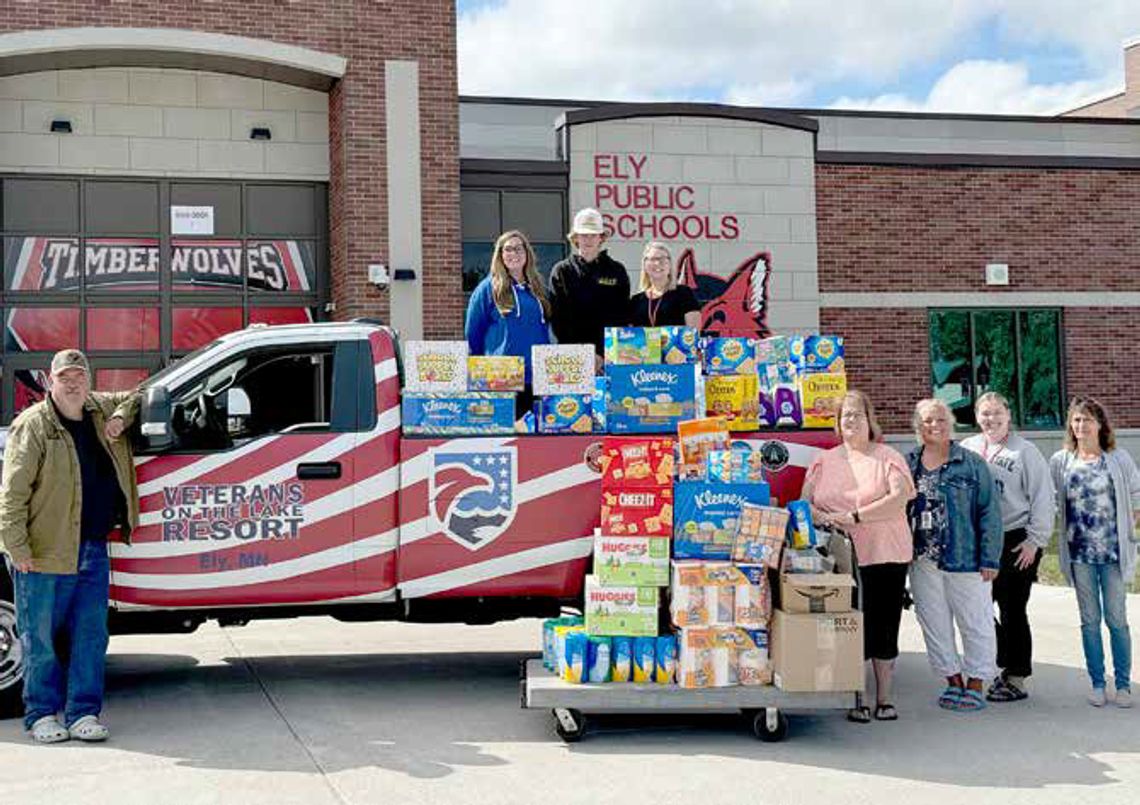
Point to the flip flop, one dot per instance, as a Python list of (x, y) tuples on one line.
[(970, 701), (886, 712), (949, 698), (859, 715)]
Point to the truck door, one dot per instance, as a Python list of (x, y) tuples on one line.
[(254, 505)]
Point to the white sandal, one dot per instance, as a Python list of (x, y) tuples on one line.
[(89, 729), (48, 730)]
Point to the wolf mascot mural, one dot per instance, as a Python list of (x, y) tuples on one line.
[(732, 306)]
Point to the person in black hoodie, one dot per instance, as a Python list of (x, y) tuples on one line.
[(589, 290)]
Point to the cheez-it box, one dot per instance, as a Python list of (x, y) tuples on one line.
[(644, 511), (637, 461)]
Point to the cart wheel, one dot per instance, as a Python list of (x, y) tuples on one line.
[(770, 725), (569, 723)]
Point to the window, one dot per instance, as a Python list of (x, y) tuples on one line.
[(1014, 352), (539, 214)]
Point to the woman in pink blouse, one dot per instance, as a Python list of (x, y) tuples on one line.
[(863, 486)]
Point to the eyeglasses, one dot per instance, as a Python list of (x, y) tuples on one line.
[(852, 415), (514, 250), (659, 259)]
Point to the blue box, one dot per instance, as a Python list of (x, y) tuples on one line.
[(814, 354), (651, 399), (450, 414), (680, 345), (729, 355), (705, 516), (599, 402), (565, 413)]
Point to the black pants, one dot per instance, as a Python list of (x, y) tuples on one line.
[(883, 587), (1011, 593)]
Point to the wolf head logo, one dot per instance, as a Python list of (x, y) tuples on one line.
[(736, 306)]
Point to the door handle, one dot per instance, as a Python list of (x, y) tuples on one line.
[(323, 471)]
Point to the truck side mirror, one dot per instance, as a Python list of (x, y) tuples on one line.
[(155, 419)]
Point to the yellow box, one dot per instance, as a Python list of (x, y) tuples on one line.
[(822, 395), (736, 398), (496, 373)]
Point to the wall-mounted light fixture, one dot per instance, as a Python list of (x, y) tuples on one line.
[(260, 133), (61, 126)]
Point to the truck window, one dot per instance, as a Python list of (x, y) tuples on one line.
[(259, 393)]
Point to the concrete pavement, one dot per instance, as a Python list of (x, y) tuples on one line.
[(317, 711)]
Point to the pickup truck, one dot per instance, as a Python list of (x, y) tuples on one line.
[(274, 482)]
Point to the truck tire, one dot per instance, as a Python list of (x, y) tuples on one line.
[(11, 655)]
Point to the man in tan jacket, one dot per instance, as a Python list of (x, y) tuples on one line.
[(68, 485)]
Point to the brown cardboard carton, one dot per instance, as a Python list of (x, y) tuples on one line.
[(815, 592), (817, 652)]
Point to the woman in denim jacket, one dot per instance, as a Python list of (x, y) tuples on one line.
[(1098, 495), (957, 527)]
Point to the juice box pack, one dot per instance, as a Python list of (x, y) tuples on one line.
[(565, 413), (817, 353), (650, 399), (729, 355), (435, 366), (625, 346), (625, 611), (639, 561), (821, 396), (563, 368), (680, 345), (637, 461), (471, 412), (736, 398), (637, 511), (496, 373), (706, 516)]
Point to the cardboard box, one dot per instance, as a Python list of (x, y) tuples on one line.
[(565, 413), (637, 461), (437, 366), (598, 402), (637, 511), (680, 345), (822, 395), (776, 349), (446, 414), (638, 561), (817, 652), (815, 592), (729, 355), (736, 398), (650, 399), (496, 373), (620, 611), (817, 353), (706, 517), (631, 346), (563, 368)]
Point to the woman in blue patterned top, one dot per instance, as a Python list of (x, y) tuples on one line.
[(1098, 496)]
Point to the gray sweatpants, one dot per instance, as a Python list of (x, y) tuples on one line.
[(943, 599)]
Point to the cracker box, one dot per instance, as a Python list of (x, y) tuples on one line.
[(650, 399), (822, 396), (626, 346), (563, 368), (624, 611), (641, 561), (565, 413), (680, 345), (471, 412), (736, 398), (817, 353), (598, 402), (817, 652), (697, 438), (435, 366), (637, 461), (734, 466), (760, 533), (706, 517), (729, 356), (496, 373), (637, 511), (774, 350)]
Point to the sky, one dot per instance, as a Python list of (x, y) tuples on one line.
[(971, 56)]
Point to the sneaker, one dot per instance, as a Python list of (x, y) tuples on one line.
[(1124, 697), (48, 730), (1097, 697), (89, 729)]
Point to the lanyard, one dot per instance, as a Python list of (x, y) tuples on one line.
[(986, 450), (653, 308)]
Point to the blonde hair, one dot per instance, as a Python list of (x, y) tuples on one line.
[(502, 285), (922, 405), (874, 430), (645, 283), (992, 396)]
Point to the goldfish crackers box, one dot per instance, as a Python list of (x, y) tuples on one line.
[(435, 366), (729, 356), (496, 373), (637, 511), (632, 345), (822, 395), (563, 368), (637, 461), (565, 413)]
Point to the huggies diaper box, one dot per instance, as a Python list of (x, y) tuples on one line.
[(642, 561), (625, 610)]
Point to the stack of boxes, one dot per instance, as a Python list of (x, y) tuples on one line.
[(819, 363), (652, 375), (446, 392), (564, 387), (732, 385)]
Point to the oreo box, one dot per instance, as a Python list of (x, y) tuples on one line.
[(705, 516), (818, 353), (445, 414), (650, 399), (565, 413), (729, 356)]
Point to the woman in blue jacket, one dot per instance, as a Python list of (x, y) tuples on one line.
[(508, 312)]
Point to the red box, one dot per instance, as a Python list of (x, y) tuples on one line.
[(645, 511), (637, 461)]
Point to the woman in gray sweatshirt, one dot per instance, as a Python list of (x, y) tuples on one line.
[(1027, 512)]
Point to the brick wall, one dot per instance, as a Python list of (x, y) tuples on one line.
[(366, 33), (888, 229)]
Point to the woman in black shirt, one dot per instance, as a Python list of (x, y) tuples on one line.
[(660, 301)]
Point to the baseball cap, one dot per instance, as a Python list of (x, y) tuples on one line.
[(588, 221), (69, 359)]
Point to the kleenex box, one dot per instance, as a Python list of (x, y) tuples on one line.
[(650, 399), (445, 414)]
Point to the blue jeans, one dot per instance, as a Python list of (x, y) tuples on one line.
[(62, 621), (1100, 588)]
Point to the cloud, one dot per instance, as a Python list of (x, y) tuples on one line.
[(979, 86)]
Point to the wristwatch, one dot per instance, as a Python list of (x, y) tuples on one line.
[(855, 515)]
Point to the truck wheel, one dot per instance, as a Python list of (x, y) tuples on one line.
[(11, 661), (770, 725), (569, 724)]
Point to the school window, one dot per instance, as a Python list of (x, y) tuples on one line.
[(1014, 352), (486, 214)]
